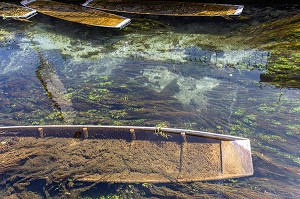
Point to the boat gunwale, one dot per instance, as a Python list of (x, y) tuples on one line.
[(204, 134), (238, 11)]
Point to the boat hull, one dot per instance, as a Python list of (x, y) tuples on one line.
[(77, 14), (8, 10), (123, 154), (166, 8)]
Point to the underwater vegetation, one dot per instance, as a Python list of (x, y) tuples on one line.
[(281, 38), (226, 76), (4, 34)]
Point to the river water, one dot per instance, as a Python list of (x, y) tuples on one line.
[(189, 73)]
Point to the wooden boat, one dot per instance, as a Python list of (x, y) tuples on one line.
[(169, 8), (8, 10), (77, 14), (121, 154)]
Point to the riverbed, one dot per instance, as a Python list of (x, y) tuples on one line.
[(209, 74)]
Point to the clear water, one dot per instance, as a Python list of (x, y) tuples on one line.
[(181, 73)]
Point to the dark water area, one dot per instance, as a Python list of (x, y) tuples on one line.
[(224, 75)]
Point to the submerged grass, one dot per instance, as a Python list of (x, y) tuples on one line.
[(270, 123), (281, 37)]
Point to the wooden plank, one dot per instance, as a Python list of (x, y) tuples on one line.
[(77, 14), (236, 159), (8, 10), (169, 8)]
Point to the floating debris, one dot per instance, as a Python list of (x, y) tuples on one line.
[(77, 14), (171, 8), (8, 10)]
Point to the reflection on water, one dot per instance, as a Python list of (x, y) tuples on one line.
[(56, 90), (198, 76)]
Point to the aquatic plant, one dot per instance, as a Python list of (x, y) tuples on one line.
[(281, 38), (5, 35), (145, 24)]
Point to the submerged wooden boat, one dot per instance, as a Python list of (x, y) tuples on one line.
[(169, 8), (77, 14), (8, 10), (121, 154)]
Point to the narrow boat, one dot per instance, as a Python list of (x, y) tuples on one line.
[(90, 153), (77, 14), (169, 8), (8, 10)]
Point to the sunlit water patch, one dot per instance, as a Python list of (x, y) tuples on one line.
[(187, 90)]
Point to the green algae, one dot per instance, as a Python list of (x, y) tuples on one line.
[(116, 114), (282, 31), (293, 130), (54, 116), (144, 24), (90, 55), (5, 35), (281, 38)]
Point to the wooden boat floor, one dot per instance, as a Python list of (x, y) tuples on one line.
[(163, 7), (114, 160), (77, 14), (121, 154), (13, 11)]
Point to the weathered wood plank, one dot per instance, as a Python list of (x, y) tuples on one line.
[(8, 10), (170, 8), (77, 14)]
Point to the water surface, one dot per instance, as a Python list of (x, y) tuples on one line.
[(200, 74)]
